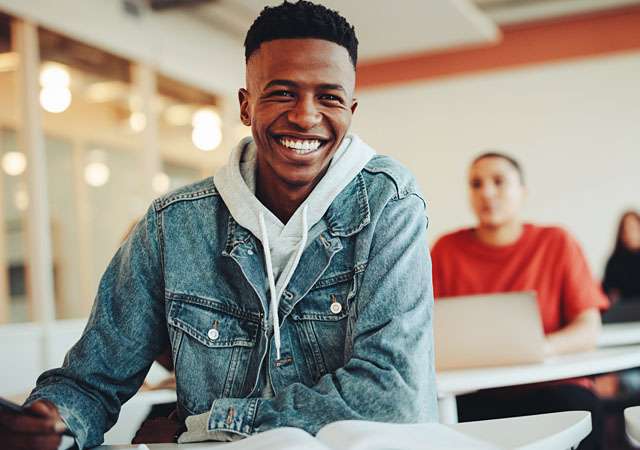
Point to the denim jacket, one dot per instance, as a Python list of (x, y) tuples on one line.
[(355, 318)]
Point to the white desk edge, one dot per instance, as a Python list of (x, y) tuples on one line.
[(602, 360)]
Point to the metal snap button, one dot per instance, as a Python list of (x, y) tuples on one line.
[(336, 307), (250, 252), (213, 334)]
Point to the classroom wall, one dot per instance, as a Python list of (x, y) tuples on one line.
[(573, 125)]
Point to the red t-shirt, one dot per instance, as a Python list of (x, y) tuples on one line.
[(544, 259)]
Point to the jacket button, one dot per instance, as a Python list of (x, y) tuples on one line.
[(250, 252), (213, 334), (336, 307)]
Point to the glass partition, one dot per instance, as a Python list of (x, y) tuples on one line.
[(14, 299), (14, 203), (100, 140)]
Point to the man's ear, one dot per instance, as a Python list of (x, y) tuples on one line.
[(354, 105), (243, 98)]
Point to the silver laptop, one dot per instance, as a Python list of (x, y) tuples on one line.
[(487, 330)]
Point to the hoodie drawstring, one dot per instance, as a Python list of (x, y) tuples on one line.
[(272, 285)]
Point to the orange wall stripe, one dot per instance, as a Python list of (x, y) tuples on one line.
[(576, 37)]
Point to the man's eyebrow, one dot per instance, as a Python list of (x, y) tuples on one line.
[(281, 83), (333, 87), (289, 83)]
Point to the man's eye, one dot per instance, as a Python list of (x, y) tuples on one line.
[(330, 97), (282, 94)]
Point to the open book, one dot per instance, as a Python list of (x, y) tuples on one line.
[(358, 435)]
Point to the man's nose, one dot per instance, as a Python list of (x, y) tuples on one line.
[(305, 113), (487, 190)]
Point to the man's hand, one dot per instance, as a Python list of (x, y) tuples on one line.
[(158, 430), (43, 430)]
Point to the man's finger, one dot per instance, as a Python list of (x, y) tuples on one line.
[(32, 441), (44, 408), (23, 423)]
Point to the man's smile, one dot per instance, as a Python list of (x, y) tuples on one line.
[(300, 146)]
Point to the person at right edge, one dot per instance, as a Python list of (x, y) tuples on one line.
[(622, 274), (502, 254)]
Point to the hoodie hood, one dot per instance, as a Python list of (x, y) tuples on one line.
[(283, 244)]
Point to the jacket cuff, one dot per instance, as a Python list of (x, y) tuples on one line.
[(233, 414), (73, 422)]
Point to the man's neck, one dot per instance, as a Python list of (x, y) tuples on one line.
[(282, 202), (504, 234)]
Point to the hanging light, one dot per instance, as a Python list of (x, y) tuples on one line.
[(96, 172), (55, 99), (55, 95), (137, 121), (206, 138), (205, 117), (14, 163), (54, 75), (206, 134)]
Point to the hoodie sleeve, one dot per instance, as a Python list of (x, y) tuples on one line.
[(390, 374)]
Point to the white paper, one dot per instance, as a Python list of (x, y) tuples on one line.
[(364, 435)]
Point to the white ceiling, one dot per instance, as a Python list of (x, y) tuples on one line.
[(395, 28), (408, 26)]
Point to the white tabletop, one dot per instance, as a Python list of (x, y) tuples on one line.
[(624, 333), (561, 430), (555, 431), (601, 360)]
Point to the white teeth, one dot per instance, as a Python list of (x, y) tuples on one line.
[(301, 147)]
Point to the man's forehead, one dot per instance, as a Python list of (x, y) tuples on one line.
[(291, 48)]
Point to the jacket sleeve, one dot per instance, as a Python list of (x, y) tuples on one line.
[(390, 375), (124, 334)]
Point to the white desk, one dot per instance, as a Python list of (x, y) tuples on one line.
[(624, 333), (456, 382), (562, 430), (556, 431)]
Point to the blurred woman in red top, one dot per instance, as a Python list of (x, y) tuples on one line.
[(502, 254)]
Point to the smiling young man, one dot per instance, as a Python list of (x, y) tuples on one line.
[(293, 287)]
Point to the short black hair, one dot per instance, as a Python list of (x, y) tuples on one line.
[(302, 19), (509, 159)]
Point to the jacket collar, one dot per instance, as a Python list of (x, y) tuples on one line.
[(349, 212), (346, 215)]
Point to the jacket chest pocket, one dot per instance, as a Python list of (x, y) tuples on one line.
[(321, 320), (214, 346)]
